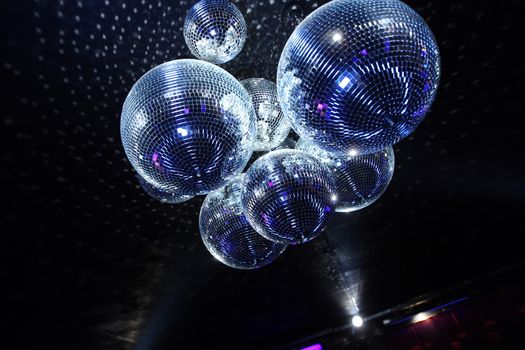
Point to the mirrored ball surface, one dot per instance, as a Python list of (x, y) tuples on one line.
[(360, 179), (160, 195), (288, 143), (227, 234), (358, 75), (288, 196), (272, 126), (214, 30), (188, 127)]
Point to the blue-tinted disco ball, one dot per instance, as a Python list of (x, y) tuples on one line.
[(215, 30), (227, 234), (288, 196), (188, 127), (360, 180), (358, 75), (272, 126), (162, 196)]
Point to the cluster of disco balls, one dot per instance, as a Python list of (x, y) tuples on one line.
[(355, 77)]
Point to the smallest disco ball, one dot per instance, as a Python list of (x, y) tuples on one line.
[(272, 126), (160, 195), (215, 31), (360, 179), (227, 234)]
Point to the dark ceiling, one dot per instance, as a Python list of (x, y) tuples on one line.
[(90, 262)]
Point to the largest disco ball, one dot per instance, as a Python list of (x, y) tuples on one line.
[(288, 196), (188, 127), (215, 30), (358, 75), (227, 234)]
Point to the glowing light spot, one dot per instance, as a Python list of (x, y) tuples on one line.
[(182, 132), (337, 37), (357, 321), (420, 317), (343, 83), (353, 152)]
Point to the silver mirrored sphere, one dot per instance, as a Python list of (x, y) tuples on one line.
[(160, 195), (272, 126), (360, 180), (188, 127), (227, 234), (288, 196), (358, 75), (215, 30)]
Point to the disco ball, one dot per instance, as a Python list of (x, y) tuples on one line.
[(272, 126), (188, 127), (162, 196), (360, 180), (288, 196), (358, 75), (215, 30), (227, 234)]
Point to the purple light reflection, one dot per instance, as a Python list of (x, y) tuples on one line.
[(156, 160), (313, 347)]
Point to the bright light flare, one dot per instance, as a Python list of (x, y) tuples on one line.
[(357, 321), (337, 37), (420, 317)]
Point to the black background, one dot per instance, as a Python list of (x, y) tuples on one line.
[(89, 261)]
